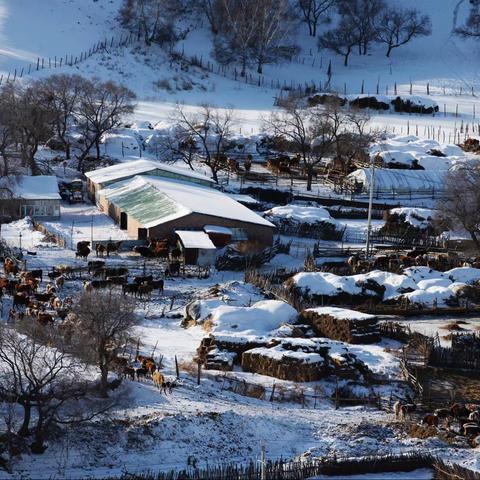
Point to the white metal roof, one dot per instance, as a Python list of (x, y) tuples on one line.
[(137, 167), (39, 187), (387, 178), (175, 199), (217, 229), (195, 239)]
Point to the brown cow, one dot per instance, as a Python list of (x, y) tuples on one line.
[(158, 379), (430, 419), (45, 318)]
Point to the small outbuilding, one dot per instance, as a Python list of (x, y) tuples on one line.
[(197, 248), (30, 196)]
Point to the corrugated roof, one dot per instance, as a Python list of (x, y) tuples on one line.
[(154, 200), (137, 167), (195, 239), (143, 202)]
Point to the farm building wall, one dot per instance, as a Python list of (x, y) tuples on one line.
[(20, 208), (196, 221)]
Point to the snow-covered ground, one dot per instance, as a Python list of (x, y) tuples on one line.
[(150, 431)]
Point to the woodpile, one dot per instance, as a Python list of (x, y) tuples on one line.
[(303, 360), (353, 328)]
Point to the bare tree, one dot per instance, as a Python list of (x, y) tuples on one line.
[(175, 144), (102, 106), (274, 32), (212, 9), (152, 20), (7, 125), (459, 208), (342, 39), (363, 14), (36, 376), (210, 129), (105, 324), (29, 120), (397, 27), (313, 11), (61, 95), (471, 27), (237, 32)]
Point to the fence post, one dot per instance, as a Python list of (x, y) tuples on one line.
[(199, 372), (177, 371)]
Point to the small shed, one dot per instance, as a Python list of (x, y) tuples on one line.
[(220, 236), (197, 247), (30, 196)]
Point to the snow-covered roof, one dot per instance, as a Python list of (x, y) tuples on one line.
[(341, 313), (154, 200), (217, 229), (39, 187), (137, 167), (301, 214), (195, 239), (399, 179)]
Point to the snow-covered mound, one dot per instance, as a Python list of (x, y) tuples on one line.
[(300, 214), (412, 152), (232, 293), (417, 217), (260, 319), (420, 285), (376, 283)]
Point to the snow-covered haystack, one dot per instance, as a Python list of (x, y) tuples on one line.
[(409, 221), (231, 293), (304, 360), (404, 103), (351, 289), (342, 324), (305, 221), (261, 319), (411, 152), (422, 286), (237, 329)]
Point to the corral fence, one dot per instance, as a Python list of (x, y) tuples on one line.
[(277, 393), (297, 469)]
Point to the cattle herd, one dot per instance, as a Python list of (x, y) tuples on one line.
[(466, 416)]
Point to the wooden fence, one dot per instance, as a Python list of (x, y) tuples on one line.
[(296, 469)]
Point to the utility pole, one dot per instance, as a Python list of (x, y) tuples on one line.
[(263, 464), (370, 205)]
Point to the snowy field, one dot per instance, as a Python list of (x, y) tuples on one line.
[(148, 431)]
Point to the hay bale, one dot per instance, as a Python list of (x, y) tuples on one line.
[(304, 360), (343, 324), (322, 99), (369, 102), (286, 365)]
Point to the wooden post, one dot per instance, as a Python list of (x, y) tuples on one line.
[(177, 370), (199, 372), (272, 395)]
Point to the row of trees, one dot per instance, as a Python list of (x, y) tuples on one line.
[(363, 22), (46, 375), (313, 134), (53, 109)]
